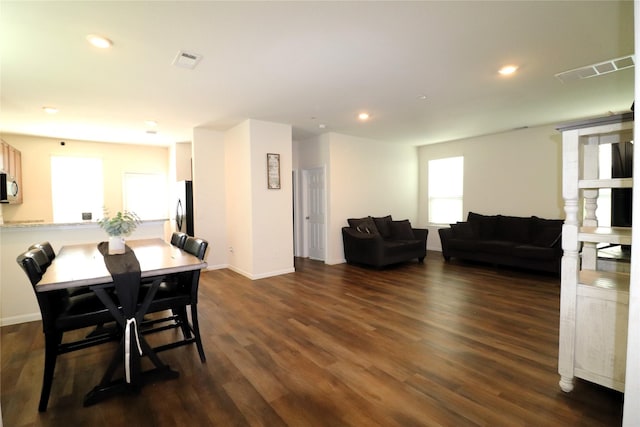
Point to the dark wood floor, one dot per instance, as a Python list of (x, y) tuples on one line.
[(418, 345)]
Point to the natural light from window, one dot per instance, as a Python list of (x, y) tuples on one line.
[(76, 188), (445, 190)]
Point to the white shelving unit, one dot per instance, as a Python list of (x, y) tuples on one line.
[(594, 304)]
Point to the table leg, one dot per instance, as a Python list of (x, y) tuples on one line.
[(108, 387)]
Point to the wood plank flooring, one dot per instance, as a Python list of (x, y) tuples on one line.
[(430, 344)]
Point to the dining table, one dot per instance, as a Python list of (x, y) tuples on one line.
[(145, 260)]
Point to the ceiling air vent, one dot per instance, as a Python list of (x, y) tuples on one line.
[(187, 60), (598, 69)]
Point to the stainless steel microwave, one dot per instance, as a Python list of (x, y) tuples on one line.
[(8, 188)]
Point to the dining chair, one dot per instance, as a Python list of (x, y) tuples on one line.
[(48, 250), (51, 255), (178, 238), (176, 295), (63, 313)]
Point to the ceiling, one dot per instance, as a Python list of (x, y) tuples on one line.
[(309, 64)]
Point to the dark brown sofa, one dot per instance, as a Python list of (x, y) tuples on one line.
[(525, 242), (381, 241)]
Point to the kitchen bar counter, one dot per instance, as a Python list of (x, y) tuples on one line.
[(17, 302), (40, 223)]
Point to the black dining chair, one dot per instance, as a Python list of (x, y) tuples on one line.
[(178, 238), (63, 313), (51, 255), (47, 249), (176, 295)]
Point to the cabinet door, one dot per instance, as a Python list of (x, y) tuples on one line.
[(601, 339), (17, 173), (11, 164), (4, 158)]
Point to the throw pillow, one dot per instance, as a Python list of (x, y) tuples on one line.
[(363, 225), (483, 225), (401, 230), (383, 226)]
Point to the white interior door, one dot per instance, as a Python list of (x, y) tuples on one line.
[(315, 213)]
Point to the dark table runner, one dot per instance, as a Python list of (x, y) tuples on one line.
[(125, 271)]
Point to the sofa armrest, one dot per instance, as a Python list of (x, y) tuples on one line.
[(445, 235), (421, 234), (362, 247)]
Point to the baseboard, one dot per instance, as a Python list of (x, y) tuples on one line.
[(23, 318), (263, 275)]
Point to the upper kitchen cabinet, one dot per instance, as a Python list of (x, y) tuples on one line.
[(11, 165)]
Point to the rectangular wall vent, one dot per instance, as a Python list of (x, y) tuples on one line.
[(187, 60), (598, 69)]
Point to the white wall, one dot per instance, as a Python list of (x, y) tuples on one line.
[(514, 173), (364, 177), (238, 198), (272, 208), (259, 220), (184, 160), (210, 215), (368, 177)]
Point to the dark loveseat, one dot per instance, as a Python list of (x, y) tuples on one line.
[(382, 241), (525, 242)]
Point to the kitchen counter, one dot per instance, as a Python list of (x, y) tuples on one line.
[(18, 303), (42, 224)]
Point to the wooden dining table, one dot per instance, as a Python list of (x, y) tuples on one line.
[(85, 265)]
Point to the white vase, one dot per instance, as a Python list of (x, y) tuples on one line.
[(116, 245)]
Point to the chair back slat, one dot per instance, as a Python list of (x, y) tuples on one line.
[(34, 262), (178, 239), (47, 248), (196, 246)]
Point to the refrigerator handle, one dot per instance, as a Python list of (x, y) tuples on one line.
[(179, 215)]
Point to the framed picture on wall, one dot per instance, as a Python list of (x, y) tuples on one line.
[(273, 171)]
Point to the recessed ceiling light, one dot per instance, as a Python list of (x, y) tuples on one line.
[(99, 41), (151, 123), (422, 97), (50, 110), (363, 116), (508, 70)]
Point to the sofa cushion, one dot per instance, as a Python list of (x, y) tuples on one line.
[(513, 229), (498, 247), (401, 230), (467, 245), (483, 225), (400, 247), (534, 252), (383, 224), (363, 225), (546, 232), (463, 230)]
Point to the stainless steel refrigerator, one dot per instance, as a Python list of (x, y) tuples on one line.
[(184, 207)]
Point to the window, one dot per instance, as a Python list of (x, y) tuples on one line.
[(145, 194), (76, 187), (445, 190)]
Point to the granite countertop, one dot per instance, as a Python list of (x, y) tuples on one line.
[(41, 223)]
